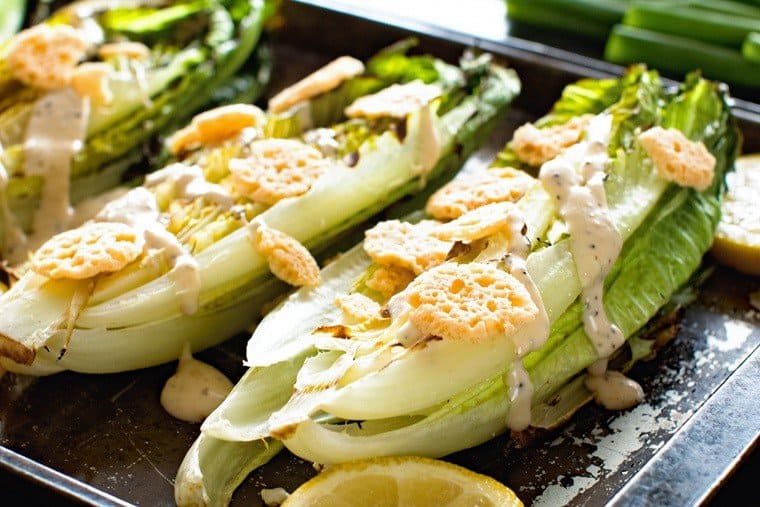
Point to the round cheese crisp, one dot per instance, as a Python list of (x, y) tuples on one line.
[(94, 248), (357, 308), (396, 101), (536, 146), (476, 224), (276, 169), (389, 280), (45, 56), (90, 79), (128, 49), (222, 122), (679, 159), (216, 125), (288, 259), (406, 245), (321, 81), (469, 302), (470, 192)]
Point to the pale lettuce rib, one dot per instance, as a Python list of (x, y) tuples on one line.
[(300, 311), (264, 390), (472, 418), (100, 351), (214, 469)]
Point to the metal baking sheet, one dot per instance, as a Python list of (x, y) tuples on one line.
[(105, 439)]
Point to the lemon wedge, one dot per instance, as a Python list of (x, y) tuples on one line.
[(401, 481), (737, 240)]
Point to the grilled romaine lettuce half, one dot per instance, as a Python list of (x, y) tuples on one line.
[(162, 61), (333, 388), (140, 315)]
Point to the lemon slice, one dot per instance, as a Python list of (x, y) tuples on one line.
[(737, 241), (401, 481)]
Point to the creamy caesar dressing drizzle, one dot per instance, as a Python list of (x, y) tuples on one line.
[(138, 209), (530, 337), (195, 390), (576, 179), (90, 207), (189, 183), (408, 334), (56, 131), (520, 396), (615, 391)]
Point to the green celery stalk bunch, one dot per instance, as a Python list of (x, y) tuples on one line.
[(332, 388), (193, 50), (718, 37), (135, 317)]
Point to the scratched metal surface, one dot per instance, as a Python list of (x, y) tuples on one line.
[(109, 441)]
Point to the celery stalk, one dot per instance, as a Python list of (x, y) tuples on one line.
[(685, 21), (679, 54), (591, 18)]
